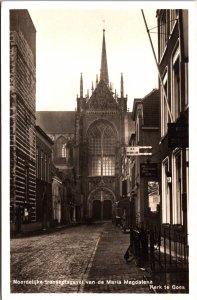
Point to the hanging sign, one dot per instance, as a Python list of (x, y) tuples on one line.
[(148, 170), (138, 150), (177, 135)]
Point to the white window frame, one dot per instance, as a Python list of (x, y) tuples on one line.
[(164, 109), (177, 189), (165, 193), (175, 107)]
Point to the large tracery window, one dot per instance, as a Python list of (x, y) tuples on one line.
[(61, 147), (101, 150)]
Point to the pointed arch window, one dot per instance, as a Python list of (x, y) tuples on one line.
[(64, 150), (61, 147), (101, 150)]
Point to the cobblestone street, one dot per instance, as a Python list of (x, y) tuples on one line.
[(82, 259), (57, 262)]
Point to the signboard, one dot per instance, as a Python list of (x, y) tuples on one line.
[(177, 135), (149, 170), (138, 150)]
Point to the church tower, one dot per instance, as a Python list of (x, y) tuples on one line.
[(101, 130)]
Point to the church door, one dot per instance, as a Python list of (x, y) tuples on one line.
[(107, 209), (96, 210)]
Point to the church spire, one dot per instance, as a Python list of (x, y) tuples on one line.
[(81, 86), (122, 86), (104, 69)]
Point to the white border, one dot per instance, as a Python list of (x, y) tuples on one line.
[(192, 6)]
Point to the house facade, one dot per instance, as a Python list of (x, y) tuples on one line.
[(173, 66), (22, 119), (143, 168), (43, 178)]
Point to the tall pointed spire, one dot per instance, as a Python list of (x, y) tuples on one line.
[(104, 69), (121, 86), (81, 86)]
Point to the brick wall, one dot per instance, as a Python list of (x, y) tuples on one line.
[(22, 124)]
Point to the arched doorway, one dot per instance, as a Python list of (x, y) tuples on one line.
[(101, 202), (96, 210), (107, 210)]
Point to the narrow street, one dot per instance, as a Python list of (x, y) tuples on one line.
[(81, 259)]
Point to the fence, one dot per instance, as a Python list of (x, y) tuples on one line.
[(163, 249)]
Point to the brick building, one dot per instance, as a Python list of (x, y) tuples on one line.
[(143, 183), (60, 127), (22, 118), (174, 105), (43, 178)]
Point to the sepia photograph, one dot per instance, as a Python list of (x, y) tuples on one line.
[(96, 181)]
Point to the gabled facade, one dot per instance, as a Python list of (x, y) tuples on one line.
[(102, 126), (173, 66), (144, 170)]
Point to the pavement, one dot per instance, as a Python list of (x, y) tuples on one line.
[(109, 272), (82, 259)]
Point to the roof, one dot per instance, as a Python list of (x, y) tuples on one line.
[(44, 135), (56, 121), (151, 105), (102, 98)]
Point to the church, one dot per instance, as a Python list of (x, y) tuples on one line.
[(90, 142)]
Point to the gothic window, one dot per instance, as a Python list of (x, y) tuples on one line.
[(101, 150), (61, 147), (64, 150)]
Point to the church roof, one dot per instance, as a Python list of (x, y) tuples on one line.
[(56, 121), (102, 98)]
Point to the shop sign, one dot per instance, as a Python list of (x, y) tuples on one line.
[(138, 150), (177, 135), (149, 170)]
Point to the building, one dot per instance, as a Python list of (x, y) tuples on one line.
[(22, 119), (43, 178), (173, 68), (143, 180), (102, 127), (60, 127), (88, 145)]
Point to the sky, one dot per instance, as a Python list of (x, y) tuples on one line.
[(69, 42)]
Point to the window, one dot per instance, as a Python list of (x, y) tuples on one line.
[(41, 166), (153, 195), (37, 163), (101, 150), (165, 192), (177, 189), (176, 99), (173, 18), (64, 150), (163, 32), (61, 147), (164, 109), (45, 167)]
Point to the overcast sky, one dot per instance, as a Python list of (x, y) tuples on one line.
[(69, 41)]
